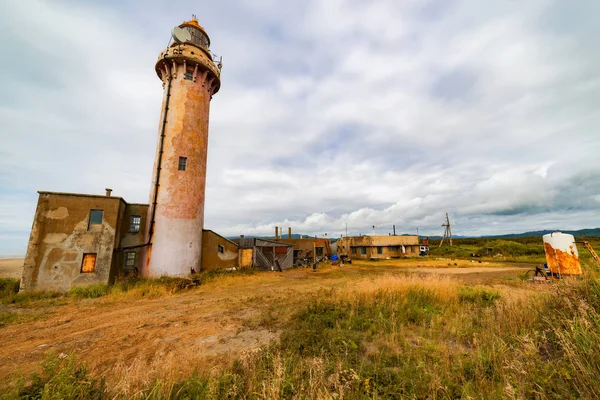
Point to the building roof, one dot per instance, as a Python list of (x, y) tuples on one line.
[(222, 237), (91, 195)]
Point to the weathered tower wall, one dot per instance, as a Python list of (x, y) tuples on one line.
[(176, 212)]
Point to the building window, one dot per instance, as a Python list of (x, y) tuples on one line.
[(363, 250), (96, 217), (380, 250), (89, 263), (130, 259), (182, 163), (189, 76), (134, 223), (220, 249), (319, 251)]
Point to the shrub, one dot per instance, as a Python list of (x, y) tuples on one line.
[(470, 294), (61, 378), (89, 291)]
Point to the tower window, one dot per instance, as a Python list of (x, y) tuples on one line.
[(220, 249), (134, 223), (182, 163), (89, 263), (130, 259), (96, 217), (188, 75)]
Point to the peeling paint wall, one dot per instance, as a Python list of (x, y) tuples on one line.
[(212, 258), (60, 235), (176, 241), (245, 258), (129, 237)]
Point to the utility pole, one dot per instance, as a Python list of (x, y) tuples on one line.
[(447, 231)]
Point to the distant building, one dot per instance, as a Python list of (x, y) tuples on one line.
[(378, 247), (81, 239), (264, 254)]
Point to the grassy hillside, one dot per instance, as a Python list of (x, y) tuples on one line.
[(526, 249)]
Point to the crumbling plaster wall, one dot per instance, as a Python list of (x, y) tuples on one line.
[(60, 236), (211, 258)]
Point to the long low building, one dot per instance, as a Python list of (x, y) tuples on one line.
[(378, 247)]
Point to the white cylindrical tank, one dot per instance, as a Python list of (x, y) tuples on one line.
[(561, 254)]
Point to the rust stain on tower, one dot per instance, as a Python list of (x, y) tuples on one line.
[(176, 214)]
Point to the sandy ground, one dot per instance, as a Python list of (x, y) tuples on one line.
[(11, 267), (168, 335)]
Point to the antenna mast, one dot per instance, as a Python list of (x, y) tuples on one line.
[(447, 231)]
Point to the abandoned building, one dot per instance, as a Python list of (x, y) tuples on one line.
[(264, 254), (306, 249), (378, 247), (80, 239), (77, 239), (190, 77)]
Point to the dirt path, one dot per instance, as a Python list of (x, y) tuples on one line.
[(167, 336)]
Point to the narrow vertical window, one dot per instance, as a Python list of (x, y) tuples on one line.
[(89, 263), (182, 163), (96, 217), (134, 223), (130, 259), (220, 249)]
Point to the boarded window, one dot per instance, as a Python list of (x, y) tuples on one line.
[(281, 250), (220, 249), (379, 250), (182, 163), (89, 263), (130, 259), (134, 223), (189, 76), (96, 217)]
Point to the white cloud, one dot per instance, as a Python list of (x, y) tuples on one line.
[(370, 113)]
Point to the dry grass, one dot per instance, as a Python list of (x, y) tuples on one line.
[(380, 332)]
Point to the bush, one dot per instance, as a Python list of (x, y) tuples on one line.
[(470, 294), (89, 291), (61, 378)]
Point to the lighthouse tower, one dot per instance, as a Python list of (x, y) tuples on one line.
[(190, 77)]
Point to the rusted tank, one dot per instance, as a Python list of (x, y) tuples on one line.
[(561, 254)]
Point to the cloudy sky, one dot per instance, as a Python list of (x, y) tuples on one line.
[(330, 112)]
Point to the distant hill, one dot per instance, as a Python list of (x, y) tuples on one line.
[(579, 233)]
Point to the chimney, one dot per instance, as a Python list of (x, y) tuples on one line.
[(108, 192), (276, 233), (289, 232), (394, 230)]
